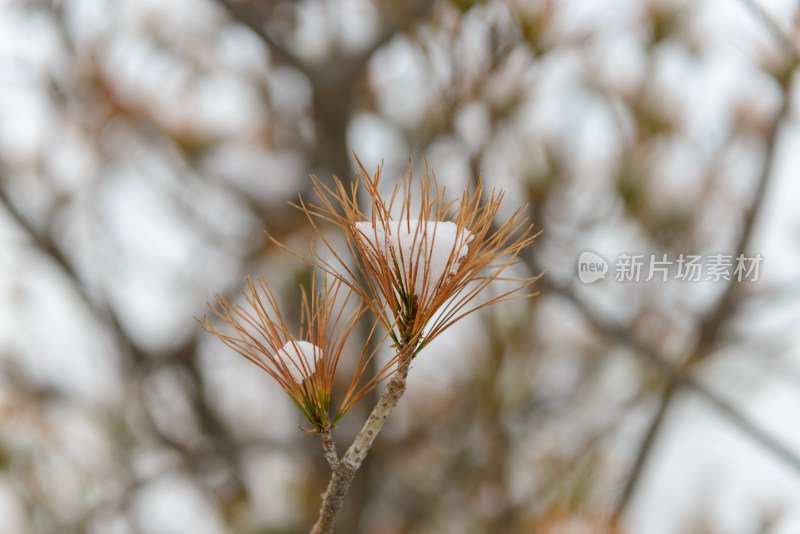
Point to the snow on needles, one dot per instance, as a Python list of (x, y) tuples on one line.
[(429, 252), (301, 358)]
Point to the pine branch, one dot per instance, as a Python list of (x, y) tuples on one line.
[(344, 470), (329, 447)]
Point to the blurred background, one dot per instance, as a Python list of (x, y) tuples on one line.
[(146, 147)]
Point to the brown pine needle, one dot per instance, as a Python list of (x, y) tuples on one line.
[(259, 333), (399, 269)]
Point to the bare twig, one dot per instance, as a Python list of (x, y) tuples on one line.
[(727, 304), (329, 448), (345, 469), (664, 402)]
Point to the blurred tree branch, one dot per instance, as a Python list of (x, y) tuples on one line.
[(777, 33), (135, 359), (680, 377), (711, 325), (246, 12)]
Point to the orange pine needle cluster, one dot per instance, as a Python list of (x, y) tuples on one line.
[(395, 256), (259, 333)]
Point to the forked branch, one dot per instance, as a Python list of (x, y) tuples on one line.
[(344, 470)]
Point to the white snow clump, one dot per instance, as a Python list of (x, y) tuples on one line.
[(432, 249), (301, 358)]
